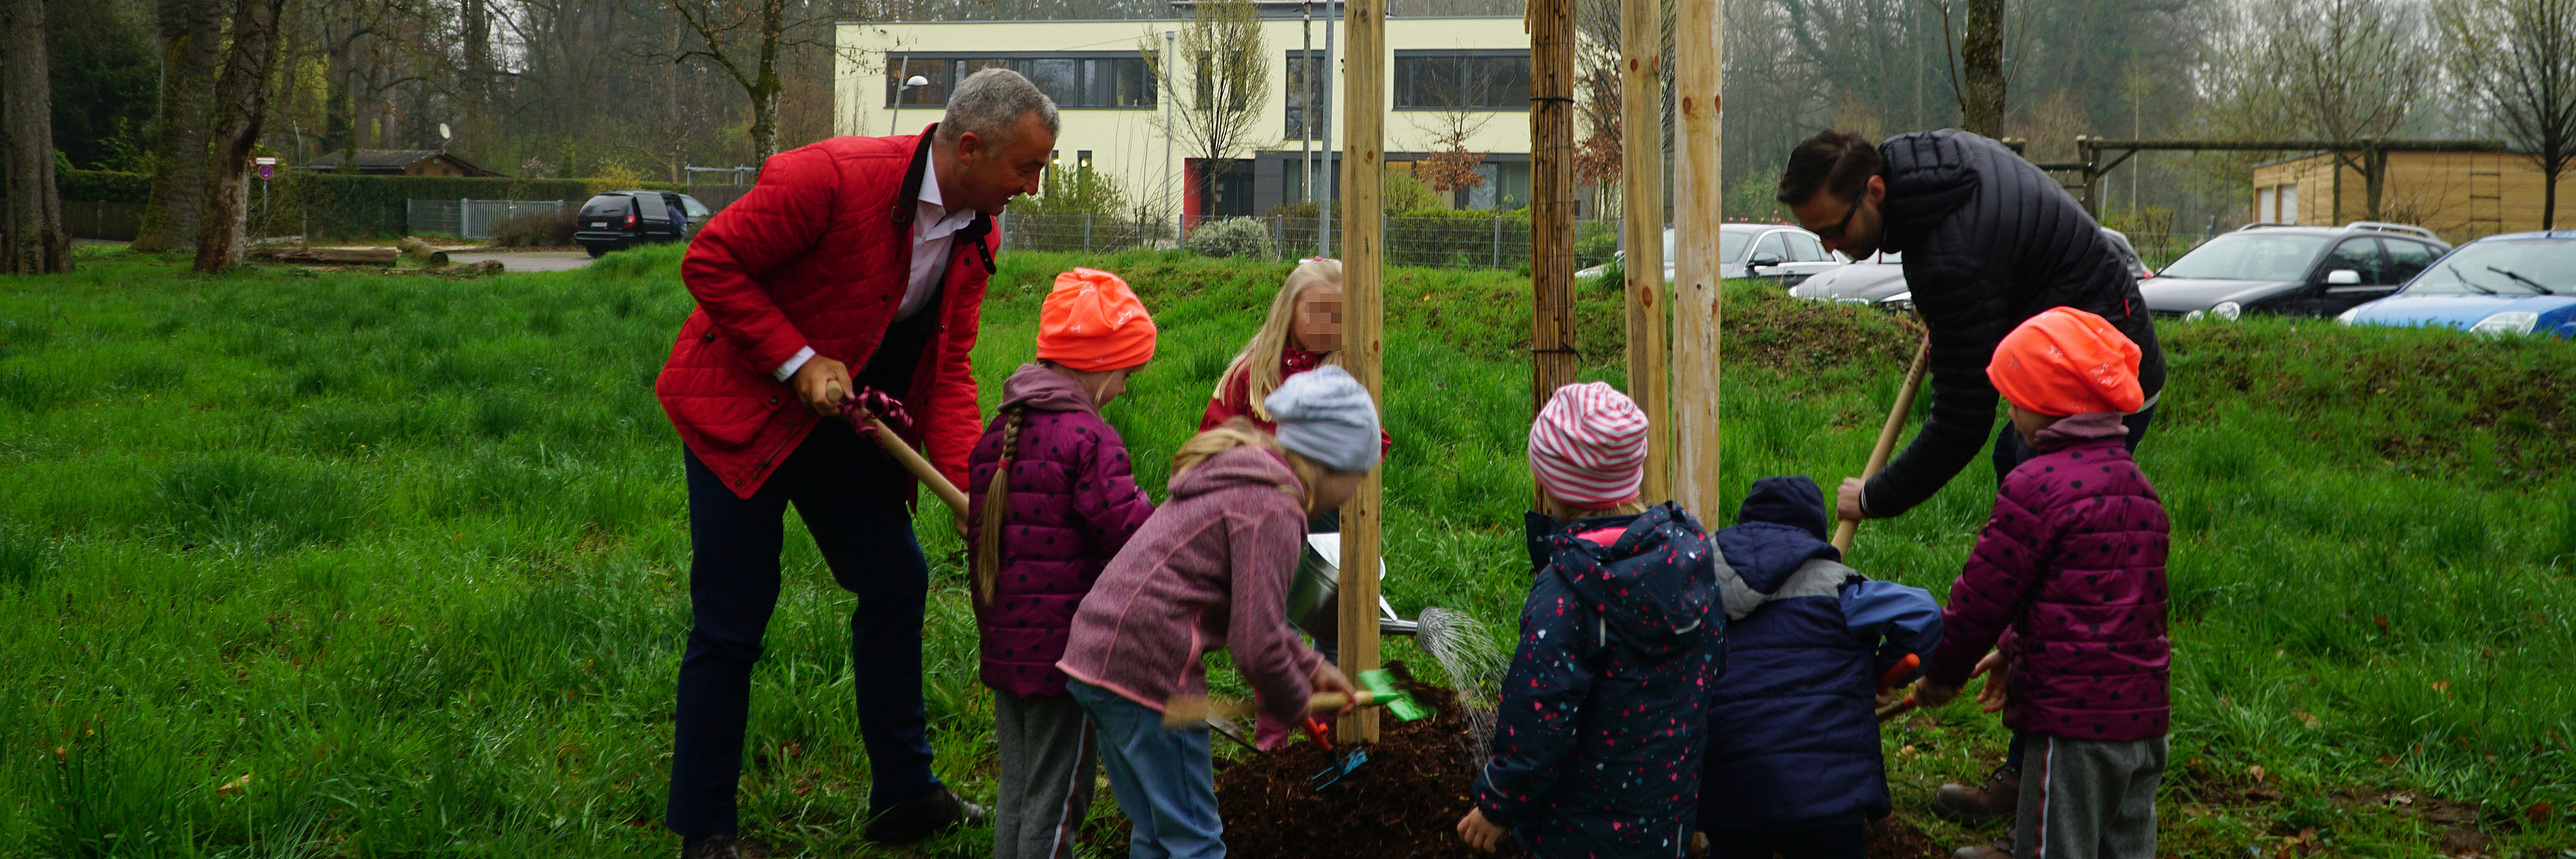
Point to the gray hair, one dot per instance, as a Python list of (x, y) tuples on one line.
[(991, 102)]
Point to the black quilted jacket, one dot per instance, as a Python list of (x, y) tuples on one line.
[(1989, 240)]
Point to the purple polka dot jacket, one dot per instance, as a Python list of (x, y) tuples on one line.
[(2068, 579), (1073, 504), (1597, 750)]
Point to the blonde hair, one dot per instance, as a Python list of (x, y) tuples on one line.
[(997, 501), (1567, 513), (1259, 360), (1241, 433)]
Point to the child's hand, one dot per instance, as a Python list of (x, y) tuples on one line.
[(1993, 667), (1329, 679), (1478, 832)]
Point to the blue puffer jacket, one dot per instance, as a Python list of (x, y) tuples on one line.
[(1792, 741), (1597, 750)]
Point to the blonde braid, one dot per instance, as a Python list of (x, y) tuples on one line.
[(997, 498)]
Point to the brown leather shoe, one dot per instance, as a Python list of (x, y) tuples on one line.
[(2000, 848), (711, 847), (913, 821), (1993, 800)]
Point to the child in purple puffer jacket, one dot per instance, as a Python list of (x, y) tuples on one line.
[(1053, 500), (2067, 585)]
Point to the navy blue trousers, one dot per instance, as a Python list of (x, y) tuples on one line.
[(849, 494)]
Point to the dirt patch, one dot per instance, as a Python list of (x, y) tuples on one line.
[(1893, 838), (1403, 804)]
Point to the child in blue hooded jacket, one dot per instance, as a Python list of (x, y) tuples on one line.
[(1792, 765), (1597, 749)]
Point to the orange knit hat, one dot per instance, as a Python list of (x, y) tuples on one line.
[(1093, 323), (2067, 362)]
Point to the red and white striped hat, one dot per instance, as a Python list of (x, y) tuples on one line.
[(1588, 447)]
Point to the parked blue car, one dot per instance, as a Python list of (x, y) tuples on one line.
[(2517, 283)]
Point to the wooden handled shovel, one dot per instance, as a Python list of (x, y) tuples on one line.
[(1887, 435), (1190, 711), (911, 459)]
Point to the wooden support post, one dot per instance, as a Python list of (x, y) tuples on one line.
[(1363, 332), (1641, 171), (1698, 298), (1552, 356)]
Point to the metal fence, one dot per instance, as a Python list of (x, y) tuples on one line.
[(92, 219), (472, 219), (1454, 242), (1086, 233)]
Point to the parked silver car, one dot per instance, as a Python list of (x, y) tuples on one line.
[(1880, 279), (1782, 251)]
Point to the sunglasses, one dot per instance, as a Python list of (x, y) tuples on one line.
[(1835, 233)]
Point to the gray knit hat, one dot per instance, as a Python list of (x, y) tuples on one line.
[(1324, 415)]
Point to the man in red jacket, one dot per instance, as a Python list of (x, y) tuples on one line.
[(854, 263)]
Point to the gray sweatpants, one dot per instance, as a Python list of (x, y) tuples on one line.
[(1048, 769), (2088, 799)]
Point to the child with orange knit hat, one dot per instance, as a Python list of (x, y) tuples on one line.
[(1052, 500), (2067, 587)]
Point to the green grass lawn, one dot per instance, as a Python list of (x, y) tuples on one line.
[(347, 565)]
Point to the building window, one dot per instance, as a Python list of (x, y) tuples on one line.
[(1308, 90), (1462, 80), (1076, 81)]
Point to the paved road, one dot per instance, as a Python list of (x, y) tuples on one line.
[(527, 260)]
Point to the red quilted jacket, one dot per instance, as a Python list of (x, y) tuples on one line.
[(815, 256)]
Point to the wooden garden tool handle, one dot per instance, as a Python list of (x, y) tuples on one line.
[(1896, 709), (911, 460), (1887, 435), (1193, 711)]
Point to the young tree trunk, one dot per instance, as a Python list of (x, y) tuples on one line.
[(765, 84), (192, 43), (1982, 55), (241, 102), (31, 213)]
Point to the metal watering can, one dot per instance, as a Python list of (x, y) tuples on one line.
[(1314, 595)]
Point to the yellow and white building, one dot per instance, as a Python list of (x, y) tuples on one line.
[(1440, 72)]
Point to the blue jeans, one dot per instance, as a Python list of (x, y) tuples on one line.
[(847, 491), (1164, 780)]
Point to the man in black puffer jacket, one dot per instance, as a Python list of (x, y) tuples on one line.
[(1988, 240)]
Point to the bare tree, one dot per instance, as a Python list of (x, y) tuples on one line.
[(191, 44), (2518, 59), (31, 212), (241, 105), (1217, 108), (1981, 58), (1451, 165), (743, 38)]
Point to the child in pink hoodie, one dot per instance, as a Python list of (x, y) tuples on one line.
[(1210, 571)]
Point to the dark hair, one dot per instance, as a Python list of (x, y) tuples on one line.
[(1836, 161)]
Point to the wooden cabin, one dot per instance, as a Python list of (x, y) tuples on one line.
[(2461, 195)]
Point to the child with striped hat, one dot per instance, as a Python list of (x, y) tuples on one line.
[(1598, 748)]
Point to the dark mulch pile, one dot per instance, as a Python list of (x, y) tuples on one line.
[(1405, 802)]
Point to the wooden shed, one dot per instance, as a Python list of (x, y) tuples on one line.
[(2461, 195)]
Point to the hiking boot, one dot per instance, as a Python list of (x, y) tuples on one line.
[(2000, 848), (725, 846), (1993, 800), (925, 817)]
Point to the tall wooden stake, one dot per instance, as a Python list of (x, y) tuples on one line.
[(1641, 123), (1698, 302), (1552, 357), (1363, 332)]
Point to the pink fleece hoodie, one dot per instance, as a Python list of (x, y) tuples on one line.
[(1209, 571)]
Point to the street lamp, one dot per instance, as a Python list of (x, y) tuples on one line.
[(894, 122)]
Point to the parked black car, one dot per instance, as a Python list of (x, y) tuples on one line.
[(624, 219), (2291, 270)]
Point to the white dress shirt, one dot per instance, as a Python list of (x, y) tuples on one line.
[(934, 232)]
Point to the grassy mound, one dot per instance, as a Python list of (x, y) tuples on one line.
[(335, 564)]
